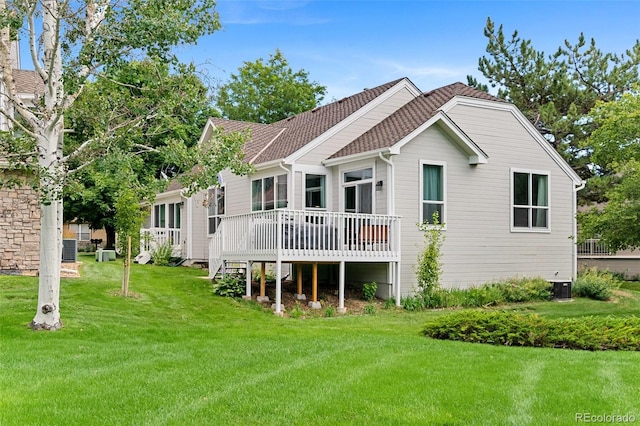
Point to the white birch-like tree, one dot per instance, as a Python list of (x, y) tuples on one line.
[(70, 42)]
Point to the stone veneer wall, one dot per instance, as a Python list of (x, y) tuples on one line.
[(19, 230)]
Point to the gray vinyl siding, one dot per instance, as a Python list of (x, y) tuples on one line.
[(298, 199), (380, 193), (237, 193), (357, 128), (479, 245)]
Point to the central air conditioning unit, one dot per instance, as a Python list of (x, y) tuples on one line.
[(69, 250)]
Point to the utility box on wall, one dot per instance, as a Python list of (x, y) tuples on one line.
[(69, 250)]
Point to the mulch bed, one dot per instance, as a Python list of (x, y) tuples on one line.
[(327, 296)]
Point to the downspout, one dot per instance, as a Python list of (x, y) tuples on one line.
[(393, 270), (574, 272)]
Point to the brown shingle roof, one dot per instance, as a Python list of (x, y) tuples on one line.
[(261, 134), (28, 82), (278, 140), (408, 118), (303, 128)]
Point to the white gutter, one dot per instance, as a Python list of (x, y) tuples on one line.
[(574, 272)]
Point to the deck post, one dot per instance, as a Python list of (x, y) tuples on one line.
[(314, 304), (278, 305), (247, 295), (263, 283), (299, 295), (341, 308), (397, 282)]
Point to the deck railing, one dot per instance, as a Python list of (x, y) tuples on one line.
[(307, 235), (593, 247), (151, 238)]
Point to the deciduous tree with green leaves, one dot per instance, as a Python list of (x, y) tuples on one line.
[(557, 91), (268, 91), (72, 43), (175, 105)]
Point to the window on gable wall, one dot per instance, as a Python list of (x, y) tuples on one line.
[(433, 192), (269, 193), (530, 200)]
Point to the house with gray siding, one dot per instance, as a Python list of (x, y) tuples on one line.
[(338, 192)]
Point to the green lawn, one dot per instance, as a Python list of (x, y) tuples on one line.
[(176, 354)]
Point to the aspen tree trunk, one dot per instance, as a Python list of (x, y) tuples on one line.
[(49, 143)]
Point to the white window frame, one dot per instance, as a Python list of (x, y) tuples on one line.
[(443, 164), (275, 192), (160, 210), (352, 168), (215, 190), (512, 206), (326, 191)]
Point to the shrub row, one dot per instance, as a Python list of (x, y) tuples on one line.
[(595, 284), (513, 329), (510, 291)]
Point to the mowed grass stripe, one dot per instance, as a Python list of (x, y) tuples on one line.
[(175, 354)]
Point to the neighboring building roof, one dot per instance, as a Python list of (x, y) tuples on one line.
[(261, 134), (409, 118), (28, 82)]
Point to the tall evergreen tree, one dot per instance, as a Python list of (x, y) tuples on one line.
[(557, 91)]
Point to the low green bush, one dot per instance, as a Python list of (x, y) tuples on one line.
[(390, 303), (595, 284), (369, 310), (518, 290), (513, 329), (369, 291), (230, 286), (330, 311), (162, 253)]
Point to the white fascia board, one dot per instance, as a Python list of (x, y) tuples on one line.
[(519, 116), (169, 194), (264, 148), (402, 84), (269, 164), (354, 157), (206, 133), (475, 154)]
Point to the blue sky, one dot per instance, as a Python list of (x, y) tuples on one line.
[(354, 44)]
